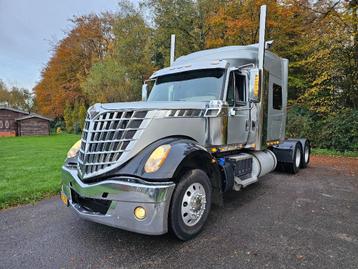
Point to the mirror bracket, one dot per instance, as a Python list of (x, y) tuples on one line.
[(145, 92), (254, 100)]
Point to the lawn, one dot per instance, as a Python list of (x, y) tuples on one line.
[(31, 167), (332, 152)]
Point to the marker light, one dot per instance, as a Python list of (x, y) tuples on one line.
[(256, 86), (139, 213), (74, 149), (157, 158)]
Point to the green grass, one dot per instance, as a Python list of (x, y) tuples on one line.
[(331, 152), (30, 167)]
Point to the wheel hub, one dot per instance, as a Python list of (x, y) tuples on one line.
[(298, 158), (193, 204), (307, 153)]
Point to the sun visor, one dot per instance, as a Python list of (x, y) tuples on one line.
[(188, 67)]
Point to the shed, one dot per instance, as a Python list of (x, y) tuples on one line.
[(8, 116), (14, 122), (33, 124)]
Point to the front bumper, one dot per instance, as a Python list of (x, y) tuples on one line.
[(117, 198)]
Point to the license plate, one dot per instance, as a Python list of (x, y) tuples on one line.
[(64, 199)]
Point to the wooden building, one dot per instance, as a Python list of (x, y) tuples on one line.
[(14, 122)]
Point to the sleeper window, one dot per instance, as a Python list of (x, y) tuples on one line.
[(277, 97)]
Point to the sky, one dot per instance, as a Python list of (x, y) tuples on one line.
[(29, 27)]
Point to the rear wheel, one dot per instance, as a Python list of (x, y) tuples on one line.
[(305, 159), (294, 166), (190, 205)]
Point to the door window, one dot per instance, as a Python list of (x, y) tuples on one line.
[(231, 89), (240, 83), (1, 124), (236, 92)]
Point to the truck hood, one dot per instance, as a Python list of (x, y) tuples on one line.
[(153, 105), (116, 132)]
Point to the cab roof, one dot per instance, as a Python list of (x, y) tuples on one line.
[(223, 57)]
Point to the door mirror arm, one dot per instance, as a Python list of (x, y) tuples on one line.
[(254, 100)]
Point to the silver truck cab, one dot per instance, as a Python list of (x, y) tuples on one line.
[(214, 121)]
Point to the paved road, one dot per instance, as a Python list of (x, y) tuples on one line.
[(309, 220)]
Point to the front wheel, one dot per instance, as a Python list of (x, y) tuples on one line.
[(190, 205)]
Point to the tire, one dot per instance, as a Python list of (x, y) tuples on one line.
[(190, 205), (306, 154), (294, 166)]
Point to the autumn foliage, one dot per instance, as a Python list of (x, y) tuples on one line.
[(70, 65), (105, 58)]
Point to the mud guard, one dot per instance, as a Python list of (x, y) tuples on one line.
[(284, 151)]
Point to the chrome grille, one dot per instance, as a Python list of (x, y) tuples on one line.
[(106, 137)]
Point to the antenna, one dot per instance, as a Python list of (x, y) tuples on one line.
[(261, 52), (172, 49)]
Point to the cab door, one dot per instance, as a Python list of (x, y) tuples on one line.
[(238, 119)]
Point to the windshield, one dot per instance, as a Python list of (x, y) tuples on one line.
[(197, 85)]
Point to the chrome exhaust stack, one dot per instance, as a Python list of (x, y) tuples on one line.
[(172, 49)]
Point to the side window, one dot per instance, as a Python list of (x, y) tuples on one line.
[(240, 88), (7, 125), (1, 124), (230, 90), (277, 97)]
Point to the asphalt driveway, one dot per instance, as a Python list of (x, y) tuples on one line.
[(308, 220)]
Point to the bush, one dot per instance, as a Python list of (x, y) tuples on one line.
[(298, 123), (338, 131)]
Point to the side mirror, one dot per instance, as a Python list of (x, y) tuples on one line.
[(254, 86), (144, 92)]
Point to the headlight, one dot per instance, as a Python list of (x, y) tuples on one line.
[(74, 149), (157, 158)]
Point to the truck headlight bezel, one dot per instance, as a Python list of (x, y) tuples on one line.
[(74, 150), (157, 158)]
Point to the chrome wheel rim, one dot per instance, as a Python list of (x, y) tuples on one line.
[(193, 204), (307, 153), (298, 157)]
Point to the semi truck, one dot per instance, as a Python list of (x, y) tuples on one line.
[(212, 122)]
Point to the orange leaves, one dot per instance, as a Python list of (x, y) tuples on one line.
[(237, 22), (70, 64)]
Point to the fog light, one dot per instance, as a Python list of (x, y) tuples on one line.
[(139, 213)]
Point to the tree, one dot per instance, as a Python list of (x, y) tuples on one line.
[(331, 67), (16, 97), (120, 75), (186, 19), (71, 62)]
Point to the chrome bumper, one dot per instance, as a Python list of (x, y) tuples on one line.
[(124, 194)]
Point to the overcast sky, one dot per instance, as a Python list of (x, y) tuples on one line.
[(27, 28)]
